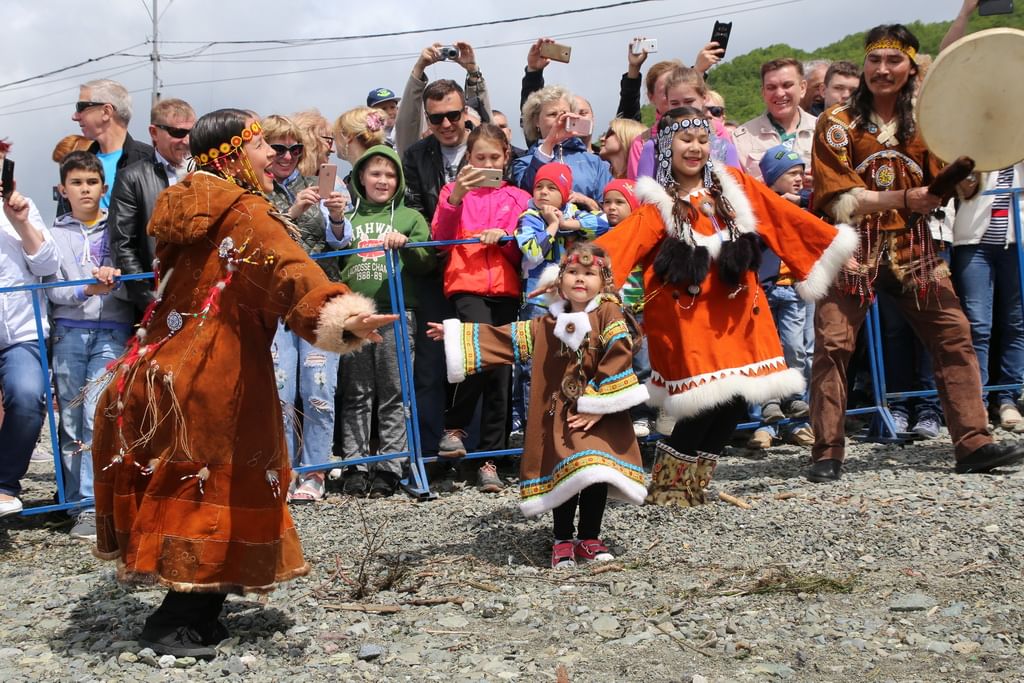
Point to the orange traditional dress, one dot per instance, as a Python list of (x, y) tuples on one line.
[(582, 362), (709, 348), (191, 466)]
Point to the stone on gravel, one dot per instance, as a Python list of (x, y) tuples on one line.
[(776, 670), (967, 647), (912, 602), (368, 653), (453, 622), (606, 627), (166, 661)]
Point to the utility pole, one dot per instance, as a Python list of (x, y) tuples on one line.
[(155, 57)]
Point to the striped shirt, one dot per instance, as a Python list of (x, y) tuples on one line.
[(1000, 222)]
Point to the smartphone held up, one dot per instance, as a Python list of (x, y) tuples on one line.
[(326, 179), (8, 177), (987, 8)]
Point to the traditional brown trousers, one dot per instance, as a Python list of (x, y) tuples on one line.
[(940, 324)]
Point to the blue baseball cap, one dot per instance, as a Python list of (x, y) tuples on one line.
[(777, 161), (378, 95)]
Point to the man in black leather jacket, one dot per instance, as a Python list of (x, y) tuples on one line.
[(135, 192)]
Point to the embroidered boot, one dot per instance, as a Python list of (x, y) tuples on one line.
[(672, 477)]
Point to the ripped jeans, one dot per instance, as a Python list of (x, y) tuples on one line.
[(306, 379)]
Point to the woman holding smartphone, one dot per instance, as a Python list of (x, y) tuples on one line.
[(555, 131), (306, 376), (482, 281)]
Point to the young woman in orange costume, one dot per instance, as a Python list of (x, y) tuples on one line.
[(713, 345)]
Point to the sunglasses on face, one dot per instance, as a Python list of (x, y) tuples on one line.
[(82, 105), (713, 110), (295, 150), (452, 116), (328, 139), (176, 133)]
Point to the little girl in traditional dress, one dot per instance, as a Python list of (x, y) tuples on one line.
[(580, 447)]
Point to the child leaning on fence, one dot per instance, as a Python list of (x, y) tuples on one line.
[(579, 446), (379, 219), (481, 279), (89, 328)]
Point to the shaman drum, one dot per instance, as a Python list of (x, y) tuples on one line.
[(969, 103)]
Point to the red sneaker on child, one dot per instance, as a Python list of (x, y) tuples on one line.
[(592, 549), (562, 555)]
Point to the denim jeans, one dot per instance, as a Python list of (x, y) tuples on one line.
[(986, 280), (908, 365), (521, 373), (306, 380), (21, 377), (792, 315), (80, 356)]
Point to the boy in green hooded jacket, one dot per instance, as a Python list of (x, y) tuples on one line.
[(379, 219)]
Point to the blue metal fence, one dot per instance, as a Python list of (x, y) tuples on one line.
[(417, 482)]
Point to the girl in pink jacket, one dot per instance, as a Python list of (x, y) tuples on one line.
[(482, 280)]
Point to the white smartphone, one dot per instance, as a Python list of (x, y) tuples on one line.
[(646, 45), (492, 177), (580, 126)]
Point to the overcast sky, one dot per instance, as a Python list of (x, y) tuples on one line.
[(44, 35)]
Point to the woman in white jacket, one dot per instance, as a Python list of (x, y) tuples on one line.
[(986, 276)]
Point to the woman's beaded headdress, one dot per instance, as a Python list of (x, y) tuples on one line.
[(215, 159), (663, 173)]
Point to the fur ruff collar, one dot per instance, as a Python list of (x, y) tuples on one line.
[(648, 191)]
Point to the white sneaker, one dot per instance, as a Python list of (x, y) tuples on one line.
[(642, 428), (665, 423), (1009, 417), (10, 507)]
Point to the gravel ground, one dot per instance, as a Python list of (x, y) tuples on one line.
[(903, 571)]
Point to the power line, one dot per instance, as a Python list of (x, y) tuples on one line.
[(119, 53)]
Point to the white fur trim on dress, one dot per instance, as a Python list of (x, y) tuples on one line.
[(334, 314), (716, 392), (578, 322), (454, 357), (616, 403), (823, 273), (648, 191), (844, 206), (620, 487), (548, 277)]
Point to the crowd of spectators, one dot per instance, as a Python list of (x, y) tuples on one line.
[(438, 163)]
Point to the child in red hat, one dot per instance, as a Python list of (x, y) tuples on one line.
[(551, 224)]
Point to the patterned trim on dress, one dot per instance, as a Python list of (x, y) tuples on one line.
[(574, 464), (615, 330), (676, 385), (522, 341)]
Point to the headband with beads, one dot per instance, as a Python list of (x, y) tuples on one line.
[(216, 156), (664, 171), (233, 146), (892, 44)]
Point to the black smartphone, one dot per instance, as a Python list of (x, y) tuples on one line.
[(8, 177), (989, 7), (720, 35)]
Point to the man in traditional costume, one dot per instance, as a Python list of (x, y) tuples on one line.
[(871, 168)]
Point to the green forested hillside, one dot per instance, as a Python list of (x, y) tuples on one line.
[(739, 79)]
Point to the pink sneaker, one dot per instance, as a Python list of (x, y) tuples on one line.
[(592, 549), (562, 555)]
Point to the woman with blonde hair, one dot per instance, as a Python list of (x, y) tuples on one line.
[(617, 140), (317, 136), (357, 130), (548, 115), (306, 376)]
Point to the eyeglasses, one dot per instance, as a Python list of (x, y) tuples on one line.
[(82, 105), (328, 139), (452, 116), (176, 133), (295, 150), (714, 110)]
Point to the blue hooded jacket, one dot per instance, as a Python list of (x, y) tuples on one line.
[(590, 173)]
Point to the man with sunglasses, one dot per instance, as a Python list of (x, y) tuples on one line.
[(135, 192), (103, 111)]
